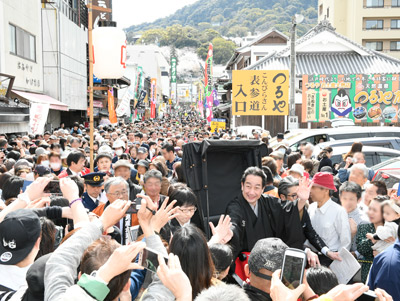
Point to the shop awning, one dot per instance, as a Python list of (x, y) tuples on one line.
[(42, 98)]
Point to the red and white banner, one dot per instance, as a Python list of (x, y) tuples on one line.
[(37, 117)]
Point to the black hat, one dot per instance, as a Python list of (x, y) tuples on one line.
[(142, 150), (327, 169), (19, 232), (42, 170), (280, 136), (94, 179), (35, 279), (142, 163)]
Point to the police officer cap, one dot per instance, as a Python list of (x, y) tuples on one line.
[(94, 178)]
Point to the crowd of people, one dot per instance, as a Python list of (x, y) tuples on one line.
[(69, 233)]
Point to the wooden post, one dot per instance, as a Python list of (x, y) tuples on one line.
[(90, 45)]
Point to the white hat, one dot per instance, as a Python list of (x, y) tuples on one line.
[(297, 168), (64, 154), (118, 143), (105, 149), (394, 187), (279, 145), (392, 205)]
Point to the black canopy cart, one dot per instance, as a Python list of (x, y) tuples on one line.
[(213, 169)]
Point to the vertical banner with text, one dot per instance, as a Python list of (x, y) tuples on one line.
[(260, 92), (173, 79), (111, 110), (153, 97), (37, 117), (209, 83)]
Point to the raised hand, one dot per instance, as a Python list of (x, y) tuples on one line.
[(114, 212), (36, 188), (223, 232), (174, 278), (303, 192), (121, 261), (145, 214), (69, 189), (163, 215)]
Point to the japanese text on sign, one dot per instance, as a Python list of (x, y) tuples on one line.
[(260, 92)]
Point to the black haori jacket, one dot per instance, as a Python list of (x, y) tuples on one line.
[(276, 218)]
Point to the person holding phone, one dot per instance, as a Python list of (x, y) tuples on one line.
[(265, 258)]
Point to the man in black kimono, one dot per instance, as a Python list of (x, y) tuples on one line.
[(255, 216)]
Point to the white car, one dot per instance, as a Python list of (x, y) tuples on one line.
[(316, 136), (247, 130), (373, 155)]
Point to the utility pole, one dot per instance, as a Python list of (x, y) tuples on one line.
[(293, 119), (90, 46)]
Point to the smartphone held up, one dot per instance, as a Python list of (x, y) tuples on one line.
[(294, 264), (148, 259)]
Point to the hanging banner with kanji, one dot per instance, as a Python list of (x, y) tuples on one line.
[(37, 117), (359, 97), (209, 83), (173, 78), (111, 110), (153, 97), (260, 92)]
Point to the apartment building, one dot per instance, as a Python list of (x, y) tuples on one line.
[(374, 24)]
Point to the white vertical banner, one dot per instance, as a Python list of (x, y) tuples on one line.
[(123, 108), (37, 117)]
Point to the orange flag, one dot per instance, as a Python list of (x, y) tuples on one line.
[(111, 110)]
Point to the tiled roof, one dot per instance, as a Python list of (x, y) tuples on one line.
[(332, 63), (329, 62)]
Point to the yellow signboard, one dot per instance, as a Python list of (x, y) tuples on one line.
[(217, 124), (260, 92)]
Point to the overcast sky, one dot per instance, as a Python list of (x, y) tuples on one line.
[(133, 12)]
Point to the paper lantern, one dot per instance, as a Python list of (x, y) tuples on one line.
[(109, 51)]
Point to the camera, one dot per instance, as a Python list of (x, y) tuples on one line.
[(135, 206)]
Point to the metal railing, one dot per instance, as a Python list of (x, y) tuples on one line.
[(382, 6), (77, 15)]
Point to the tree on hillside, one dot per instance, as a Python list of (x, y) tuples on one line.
[(237, 31), (208, 35), (223, 50), (153, 36)]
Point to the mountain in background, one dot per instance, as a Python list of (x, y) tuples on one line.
[(217, 21)]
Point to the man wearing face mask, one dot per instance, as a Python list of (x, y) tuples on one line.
[(119, 148), (55, 163)]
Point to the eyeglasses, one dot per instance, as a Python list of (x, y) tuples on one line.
[(186, 211), (119, 193)]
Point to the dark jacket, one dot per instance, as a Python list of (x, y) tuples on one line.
[(88, 202), (385, 271), (325, 162), (133, 190), (256, 294), (275, 219)]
